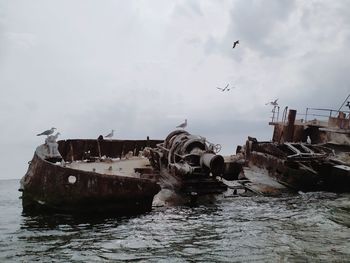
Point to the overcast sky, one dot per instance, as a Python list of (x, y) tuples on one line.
[(142, 67)]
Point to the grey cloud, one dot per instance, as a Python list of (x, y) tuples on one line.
[(188, 9), (141, 68)]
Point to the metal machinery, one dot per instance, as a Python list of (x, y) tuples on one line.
[(192, 160)]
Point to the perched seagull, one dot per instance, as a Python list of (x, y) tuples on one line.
[(182, 125), (223, 89), (308, 140), (52, 138), (273, 103), (235, 43), (47, 132), (110, 135), (56, 135)]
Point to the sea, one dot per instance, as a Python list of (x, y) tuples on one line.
[(305, 227)]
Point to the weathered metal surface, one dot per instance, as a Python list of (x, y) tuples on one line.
[(192, 162), (301, 166), (261, 183), (323, 130), (290, 126), (56, 186), (77, 149)]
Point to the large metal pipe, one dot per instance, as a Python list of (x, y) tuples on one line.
[(214, 162), (290, 128)]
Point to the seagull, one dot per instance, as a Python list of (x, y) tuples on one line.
[(308, 140), (235, 43), (110, 135), (273, 103), (182, 125), (224, 89), (56, 135), (52, 138), (47, 132)]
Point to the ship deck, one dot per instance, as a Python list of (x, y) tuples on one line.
[(121, 167)]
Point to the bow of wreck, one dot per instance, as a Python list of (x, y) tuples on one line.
[(89, 176)]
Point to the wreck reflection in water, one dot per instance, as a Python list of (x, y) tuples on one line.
[(304, 227)]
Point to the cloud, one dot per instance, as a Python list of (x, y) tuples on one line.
[(142, 67), (254, 24)]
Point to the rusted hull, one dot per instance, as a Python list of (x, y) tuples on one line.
[(289, 174), (306, 174), (46, 186)]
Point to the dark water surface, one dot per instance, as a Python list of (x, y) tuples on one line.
[(311, 227)]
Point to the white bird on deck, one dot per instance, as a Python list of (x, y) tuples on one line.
[(308, 140), (52, 138), (56, 136), (110, 135), (47, 132), (182, 125), (273, 103)]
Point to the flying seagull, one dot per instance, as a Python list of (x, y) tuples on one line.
[(273, 103), (110, 135), (235, 43), (223, 89), (182, 125), (47, 132)]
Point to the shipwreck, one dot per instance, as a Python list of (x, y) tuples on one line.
[(89, 176), (122, 176), (305, 154), (125, 176)]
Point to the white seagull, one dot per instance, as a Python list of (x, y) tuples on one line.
[(273, 103), (56, 136), (47, 132), (110, 135), (308, 140), (52, 138), (182, 125)]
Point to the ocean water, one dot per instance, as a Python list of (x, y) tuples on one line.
[(307, 227)]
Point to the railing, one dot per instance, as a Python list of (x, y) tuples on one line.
[(275, 113), (325, 114)]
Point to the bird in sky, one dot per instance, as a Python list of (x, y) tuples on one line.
[(347, 104), (182, 125), (224, 89), (110, 135), (47, 132), (235, 43), (273, 103)]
